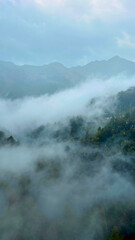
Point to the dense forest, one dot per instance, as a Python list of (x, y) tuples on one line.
[(77, 179)]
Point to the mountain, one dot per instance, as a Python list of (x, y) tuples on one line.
[(112, 67), (27, 80)]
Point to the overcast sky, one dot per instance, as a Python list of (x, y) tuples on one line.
[(73, 32)]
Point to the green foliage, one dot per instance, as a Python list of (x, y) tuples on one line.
[(76, 125), (115, 234), (120, 130), (128, 146), (126, 101)]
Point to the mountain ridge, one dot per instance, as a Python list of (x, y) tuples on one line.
[(115, 57), (27, 80)]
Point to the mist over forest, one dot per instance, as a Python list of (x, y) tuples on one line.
[(67, 156)]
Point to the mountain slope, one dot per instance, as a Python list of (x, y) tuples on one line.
[(18, 81)]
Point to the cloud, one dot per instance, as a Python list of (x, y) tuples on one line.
[(86, 10), (83, 10), (126, 41), (18, 116)]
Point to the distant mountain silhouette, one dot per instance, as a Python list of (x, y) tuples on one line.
[(27, 80)]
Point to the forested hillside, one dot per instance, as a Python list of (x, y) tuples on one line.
[(76, 180)]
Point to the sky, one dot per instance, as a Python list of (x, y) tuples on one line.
[(72, 32)]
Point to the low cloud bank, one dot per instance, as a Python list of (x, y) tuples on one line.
[(20, 115)]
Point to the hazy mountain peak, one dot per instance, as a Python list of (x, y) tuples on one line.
[(115, 58)]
